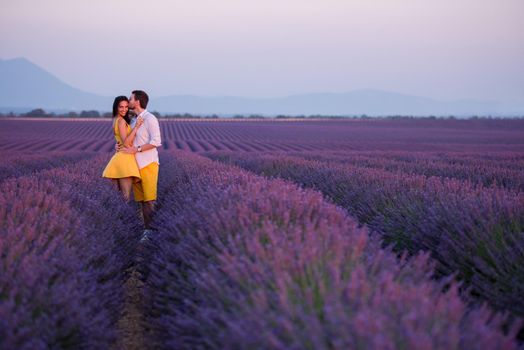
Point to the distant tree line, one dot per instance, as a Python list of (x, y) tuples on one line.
[(41, 113)]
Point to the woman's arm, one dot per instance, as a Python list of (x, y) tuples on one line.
[(128, 139)]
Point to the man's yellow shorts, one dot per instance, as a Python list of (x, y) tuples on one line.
[(145, 190)]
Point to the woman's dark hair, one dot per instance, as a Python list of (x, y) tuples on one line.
[(119, 99)]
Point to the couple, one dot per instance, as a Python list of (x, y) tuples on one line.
[(135, 163)]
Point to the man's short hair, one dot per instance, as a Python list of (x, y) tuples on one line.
[(142, 97)]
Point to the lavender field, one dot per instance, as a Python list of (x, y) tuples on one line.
[(278, 234)]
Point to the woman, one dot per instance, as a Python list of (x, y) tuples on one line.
[(122, 168)]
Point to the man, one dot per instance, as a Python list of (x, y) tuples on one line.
[(145, 150)]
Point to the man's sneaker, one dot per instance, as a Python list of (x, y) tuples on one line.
[(146, 236)]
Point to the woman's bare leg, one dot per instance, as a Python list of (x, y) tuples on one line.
[(115, 183), (126, 184)]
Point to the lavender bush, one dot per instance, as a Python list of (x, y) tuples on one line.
[(245, 262), (66, 238), (19, 164), (493, 169), (470, 229)]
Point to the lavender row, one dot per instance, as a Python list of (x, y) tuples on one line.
[(19, 164), (245, 262), (473, 230), (504, 170), (273, 134), (66, 238)]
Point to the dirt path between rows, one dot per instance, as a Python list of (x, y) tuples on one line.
[(131, 330)]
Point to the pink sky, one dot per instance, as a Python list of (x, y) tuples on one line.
[(442, 49)]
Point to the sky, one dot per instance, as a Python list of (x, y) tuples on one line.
[(444, 49)]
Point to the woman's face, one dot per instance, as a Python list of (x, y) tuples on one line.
[(123, 107)]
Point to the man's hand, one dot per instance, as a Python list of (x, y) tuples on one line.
[(129, 150), (118, 147)]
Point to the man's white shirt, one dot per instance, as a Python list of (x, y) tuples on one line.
[(148, 133)]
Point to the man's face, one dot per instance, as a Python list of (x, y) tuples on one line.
[(133, 103)]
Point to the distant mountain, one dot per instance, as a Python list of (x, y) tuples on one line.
[(24, 85), (370, 102)]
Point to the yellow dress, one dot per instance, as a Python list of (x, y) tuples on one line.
[(121, 164)]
